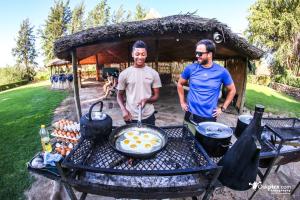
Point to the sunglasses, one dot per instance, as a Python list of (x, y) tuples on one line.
[(199, 53)]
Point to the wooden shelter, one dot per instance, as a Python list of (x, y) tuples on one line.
[(171, 38), (57, 63)]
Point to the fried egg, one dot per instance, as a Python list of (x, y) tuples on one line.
[(131, 134), (155, 141), (126, 143), (147, 136), (145, 147)]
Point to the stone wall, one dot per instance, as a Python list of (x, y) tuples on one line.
[(289, 90)]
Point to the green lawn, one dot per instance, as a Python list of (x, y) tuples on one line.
[(22, 111), (273, 101)]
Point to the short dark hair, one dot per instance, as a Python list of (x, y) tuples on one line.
[(139, 44), (209, 44)]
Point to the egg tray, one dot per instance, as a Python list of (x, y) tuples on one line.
[(65, 137), (51, 129), (183, 155)]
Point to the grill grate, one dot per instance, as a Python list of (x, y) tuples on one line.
[(282, 122), (182, 155), (285, 128)]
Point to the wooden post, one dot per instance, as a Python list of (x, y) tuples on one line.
[(76, 89), (237, 69), (97, 69), (129, 55), (156, 54), (243, 95), (51, 70)]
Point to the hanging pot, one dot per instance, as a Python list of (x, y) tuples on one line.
[(214, 137), (96, 127)]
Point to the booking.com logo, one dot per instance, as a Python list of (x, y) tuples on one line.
[(278, 189)]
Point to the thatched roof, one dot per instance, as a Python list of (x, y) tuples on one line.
[(57, 62), (176, 37)]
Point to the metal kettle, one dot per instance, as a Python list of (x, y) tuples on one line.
[(97, 128)]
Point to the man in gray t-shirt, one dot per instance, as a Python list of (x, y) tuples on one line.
[(141, 85)]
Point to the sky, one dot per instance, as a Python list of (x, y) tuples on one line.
[(12, 12)]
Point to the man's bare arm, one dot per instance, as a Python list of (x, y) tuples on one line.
[(180, 90)]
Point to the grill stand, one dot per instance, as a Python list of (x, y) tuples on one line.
[(206, 183), (64, 180), (276, 159)]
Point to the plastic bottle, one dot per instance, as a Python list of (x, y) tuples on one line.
[(45, 139)]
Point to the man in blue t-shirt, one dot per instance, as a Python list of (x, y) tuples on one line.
[(205, 79)]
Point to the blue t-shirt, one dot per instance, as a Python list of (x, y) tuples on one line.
[(205, 84)]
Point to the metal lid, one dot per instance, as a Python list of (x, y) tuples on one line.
[(246, 119), (96, 115), (214, 130), (259, 108)]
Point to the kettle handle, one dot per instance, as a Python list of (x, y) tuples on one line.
[(91, 108)]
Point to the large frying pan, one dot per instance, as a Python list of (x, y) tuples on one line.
[(115, 135)]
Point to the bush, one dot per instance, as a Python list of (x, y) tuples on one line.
[(42, 75), (288, 80), (259, 79), (11, 74), (13, 85)]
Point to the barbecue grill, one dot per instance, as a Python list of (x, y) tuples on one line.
[(182, 155), (181, 169), (98, 169)]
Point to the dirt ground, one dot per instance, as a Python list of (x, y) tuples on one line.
[(169, 113)]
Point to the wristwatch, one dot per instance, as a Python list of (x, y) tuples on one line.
[(223, 109)]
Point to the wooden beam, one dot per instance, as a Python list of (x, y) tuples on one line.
[(243, 95), (97, 69), (76, 89), (156, 54), (129, 55)]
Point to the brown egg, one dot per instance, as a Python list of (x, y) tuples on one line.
[(68, 149), (63, 152), (72, 135), (68, 134), (58, 149)]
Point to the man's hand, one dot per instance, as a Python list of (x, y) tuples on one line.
[(217, 112), (143, 102), (126, 115), (184, 106)]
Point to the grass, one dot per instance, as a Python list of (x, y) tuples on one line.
[(273, 101), (22, 111)]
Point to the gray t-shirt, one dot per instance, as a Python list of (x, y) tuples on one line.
[(138, 84)]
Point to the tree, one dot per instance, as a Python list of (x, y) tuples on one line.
[(119, 15), (77, 22), (273, 25), (25, 52), (99, 16), (140, 12), (55, 26)]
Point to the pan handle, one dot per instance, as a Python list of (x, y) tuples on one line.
[(191, 118), (139, 122)]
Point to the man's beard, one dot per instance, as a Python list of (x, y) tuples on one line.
[(203, 62)]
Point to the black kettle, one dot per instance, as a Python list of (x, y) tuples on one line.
[(98, 128)]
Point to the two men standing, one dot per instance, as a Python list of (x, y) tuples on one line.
[(140, 84)]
